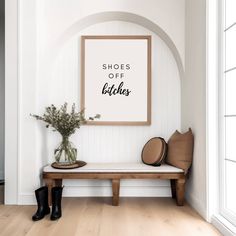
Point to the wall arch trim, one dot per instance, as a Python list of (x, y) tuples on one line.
[(118, 16)]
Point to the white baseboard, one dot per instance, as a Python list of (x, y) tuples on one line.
[(25, 199), (102, 191), (197, 205), (125, 191), (225, 227)]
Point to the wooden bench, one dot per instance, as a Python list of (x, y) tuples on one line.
[(117, 171)]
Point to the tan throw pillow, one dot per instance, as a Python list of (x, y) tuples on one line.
[(154, 151), (180, 150)]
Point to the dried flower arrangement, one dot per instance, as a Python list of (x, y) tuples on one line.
[(65, 122)]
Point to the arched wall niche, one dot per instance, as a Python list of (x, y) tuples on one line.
[(65, 78), (58, 70)]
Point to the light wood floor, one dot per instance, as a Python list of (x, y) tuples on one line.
[(96, 216)]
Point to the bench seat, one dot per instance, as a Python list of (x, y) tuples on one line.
[(117, 171), (118, 167)]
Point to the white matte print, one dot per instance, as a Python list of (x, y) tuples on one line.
[(116, 79)]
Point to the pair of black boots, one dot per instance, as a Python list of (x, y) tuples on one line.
[(42, 201)]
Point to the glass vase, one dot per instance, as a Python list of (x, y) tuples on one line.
[(66, 153)]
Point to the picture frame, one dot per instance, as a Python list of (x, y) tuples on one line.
[(116, 79)]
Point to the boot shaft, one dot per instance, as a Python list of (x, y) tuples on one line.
[(56, 203), (42, 196), (56, 195)]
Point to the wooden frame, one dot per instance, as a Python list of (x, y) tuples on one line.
[(147, 120), (177, 181)]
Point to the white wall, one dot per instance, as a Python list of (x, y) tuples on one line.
[(194, 99), (2, 86), (58, 15), (47, 71), (57, 81)]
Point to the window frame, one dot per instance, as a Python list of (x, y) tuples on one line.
[(223, 210)]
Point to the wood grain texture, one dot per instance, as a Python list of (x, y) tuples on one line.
[(49, 183), (95, 217), (180, 190), (55, 178), (115, 192), (110, 175)]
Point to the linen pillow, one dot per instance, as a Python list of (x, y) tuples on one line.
[(180, 150)]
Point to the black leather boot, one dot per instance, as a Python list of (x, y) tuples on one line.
[(56, 203), (42, 201)]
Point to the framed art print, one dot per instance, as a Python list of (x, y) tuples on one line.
[(116, 79)]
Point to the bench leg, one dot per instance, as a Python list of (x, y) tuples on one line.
[(58, 182), (50, 183), (115, 191), (173, 187), (180, 189)]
